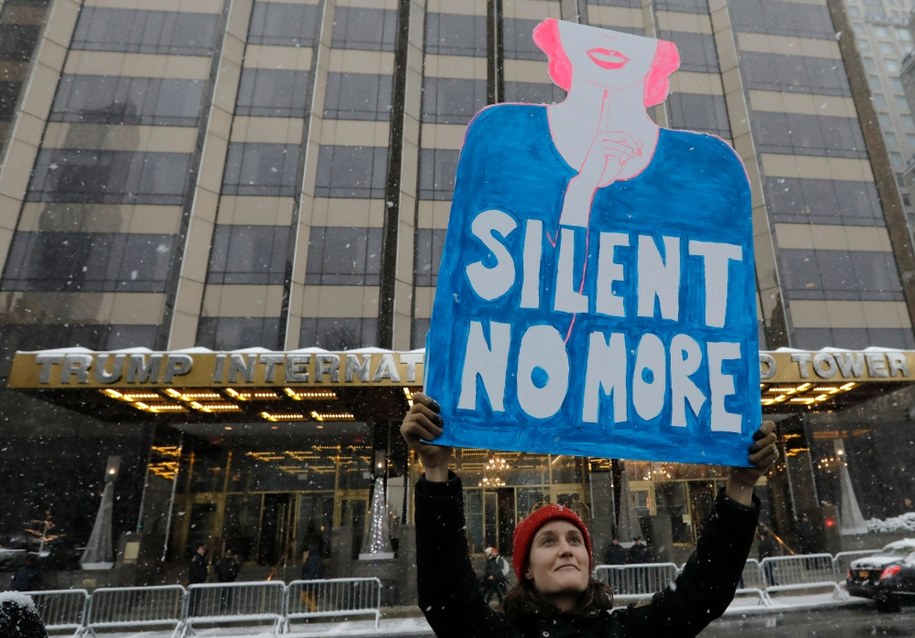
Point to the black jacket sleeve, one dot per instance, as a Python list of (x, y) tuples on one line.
[(449, 595), (706, 586)]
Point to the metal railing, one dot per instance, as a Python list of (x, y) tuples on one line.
[(136, 608), (636, 581), (245, 602), (808, 571), (62, 610), (333, 597), (279, 605)]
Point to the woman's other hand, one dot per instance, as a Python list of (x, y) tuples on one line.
[(424, 422), (762, 455)]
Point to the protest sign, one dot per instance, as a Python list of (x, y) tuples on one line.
[(596, 294)]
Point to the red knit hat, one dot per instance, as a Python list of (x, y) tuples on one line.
[(526, 529)]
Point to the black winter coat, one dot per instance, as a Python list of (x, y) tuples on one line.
[(453, 606), (198, 570)]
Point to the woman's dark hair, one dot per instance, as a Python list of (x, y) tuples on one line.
[(524, 600)]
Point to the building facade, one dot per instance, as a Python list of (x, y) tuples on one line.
[(232, 174)]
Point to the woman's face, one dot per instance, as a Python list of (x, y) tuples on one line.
[(559, 562), (606, 58)]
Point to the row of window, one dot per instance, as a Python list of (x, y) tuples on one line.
[(801, 134), (822, 201), (330, 333), (778, 17), (839, 275)]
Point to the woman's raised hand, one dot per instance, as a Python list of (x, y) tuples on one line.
[(424, 422)]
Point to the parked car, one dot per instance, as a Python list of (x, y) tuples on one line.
[(887, 576)]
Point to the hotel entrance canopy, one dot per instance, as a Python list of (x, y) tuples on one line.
[(257, 385)]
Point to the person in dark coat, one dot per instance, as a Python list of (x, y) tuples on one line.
[(312, 569), (226, 572), (556, 595), (767, 548), (616, 553), (27, 576), (639, 552), (19, 618), (197, 573)]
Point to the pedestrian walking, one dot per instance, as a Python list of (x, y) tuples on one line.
[(495, 581), (555, 594), (312, 569)]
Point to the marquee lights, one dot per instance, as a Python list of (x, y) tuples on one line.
[(332, 416), (275, 417), (306, 395)]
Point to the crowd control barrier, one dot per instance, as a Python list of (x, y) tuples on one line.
[(62, 610), (248, 603), (278, 606), (633, 582), (136, 608), (808, 571), (333, 597)]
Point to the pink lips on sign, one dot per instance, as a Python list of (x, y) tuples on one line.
[(608, 58)]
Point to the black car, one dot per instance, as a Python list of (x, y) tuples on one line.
[(887, 576)]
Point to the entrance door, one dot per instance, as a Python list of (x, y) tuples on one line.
[(277, 530), (316, 519)]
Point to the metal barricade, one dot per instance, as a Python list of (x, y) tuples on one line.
[(62, 610), (112, 608), (255, 603), (842, 561), (333, 597), (636, 581), (752, 576), (802, 572)]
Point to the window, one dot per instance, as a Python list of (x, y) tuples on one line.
[(896, 161), (782, 18), (88, 262), (793, 133), (886, 122), (448, 34), (869, 64), (683, 6), (351, 171), (428, 249), (109, 177), (256, 168), (272, 93), (283, 24), (794, 73), (887, 48), (248, 255), (357, 96), (706, 113), (451, 100), (338, 333), (910, 141), (891, 65), (127, 100), (140, 31), (517, 41), (436, 173), (365, 29), (344, 256), (907, 121), (697, 50), (896, 85), (821, 201), (879, 101), (235, 333), (890, 139)]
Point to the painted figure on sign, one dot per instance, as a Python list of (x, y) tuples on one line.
[(597, 284)]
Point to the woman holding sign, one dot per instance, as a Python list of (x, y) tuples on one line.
[(553, 561)]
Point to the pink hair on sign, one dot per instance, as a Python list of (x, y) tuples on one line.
[(666, 61)]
